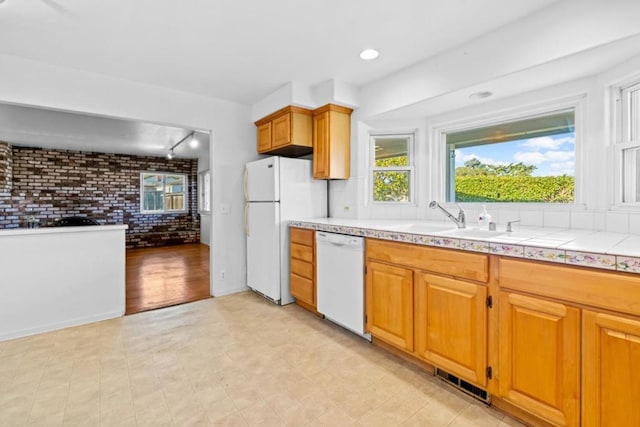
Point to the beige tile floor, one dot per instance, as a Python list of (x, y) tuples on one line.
[(235, 360)]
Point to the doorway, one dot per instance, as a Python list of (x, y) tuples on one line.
[(105, 160), (165, 276)]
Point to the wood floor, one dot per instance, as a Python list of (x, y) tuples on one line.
[(168, 275)]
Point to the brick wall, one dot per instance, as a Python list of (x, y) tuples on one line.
[(51, 184), (6, 168)]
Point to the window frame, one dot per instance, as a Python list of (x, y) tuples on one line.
[(410, 168), (185, 193), (204, 191), (622, 136), (439, 147)]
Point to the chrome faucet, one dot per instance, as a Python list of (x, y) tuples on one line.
[(460, 220), (509, 223)]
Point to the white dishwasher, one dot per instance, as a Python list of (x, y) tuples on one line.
[(340, 280)]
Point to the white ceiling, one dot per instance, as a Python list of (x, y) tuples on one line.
[(242, 50), (35, 127)]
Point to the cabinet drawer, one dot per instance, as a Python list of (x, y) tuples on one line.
[(613, 291), (302, 289), (304, 253), (302, 268), (445, 261), (302, 236)]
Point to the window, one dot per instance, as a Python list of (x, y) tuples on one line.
[(204, 191), (628, 147), (163, 192), (529, 159), (392, 168)]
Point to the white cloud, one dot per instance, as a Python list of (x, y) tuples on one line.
[(537, 158), (546, 143), (562, 168), (461, 158)]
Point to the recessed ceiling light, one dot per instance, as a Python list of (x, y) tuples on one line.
[(369, 54), (480, 95)]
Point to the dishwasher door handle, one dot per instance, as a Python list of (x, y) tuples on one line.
[(337, 240), (334, 243)]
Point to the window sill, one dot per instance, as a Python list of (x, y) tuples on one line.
[(163, 212)]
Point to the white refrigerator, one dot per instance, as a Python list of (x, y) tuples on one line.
[(277, 189)]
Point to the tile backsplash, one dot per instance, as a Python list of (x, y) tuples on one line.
[(342, 195)]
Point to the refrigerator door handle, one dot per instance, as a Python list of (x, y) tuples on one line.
[(246, 219), (244, 183)]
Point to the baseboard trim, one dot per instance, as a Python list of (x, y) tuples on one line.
[(4, 336)]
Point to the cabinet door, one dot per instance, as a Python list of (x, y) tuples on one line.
[(451, 326), (264, 137), (611, 370), (281, 128), (321, 145), (389, 304), (540, 357)]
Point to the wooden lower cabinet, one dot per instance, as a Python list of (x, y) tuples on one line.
[(451, 326), (560, 353), (611, 370), (539, 357), (302, 280), (389, 304)]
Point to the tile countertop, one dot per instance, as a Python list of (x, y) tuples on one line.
[(596, 249)]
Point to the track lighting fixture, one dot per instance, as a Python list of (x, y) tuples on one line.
[(193, 143), (171, 154)]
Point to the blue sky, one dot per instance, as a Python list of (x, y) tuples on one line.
[(552, 155)]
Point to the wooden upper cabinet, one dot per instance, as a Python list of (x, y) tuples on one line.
[(264, 137), (540, 357), (451, 326), (389, 304), (610, 370), (281, 127), (332, 142), (286, 132), (321, 147)]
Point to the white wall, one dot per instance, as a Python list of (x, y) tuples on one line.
[(58, 277), (205, 218), (561, 30), (596, 210), (232, 140), (205, 228), (311, 97)]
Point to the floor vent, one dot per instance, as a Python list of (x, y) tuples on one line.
[(466, 387)]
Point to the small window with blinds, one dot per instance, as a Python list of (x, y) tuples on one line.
[(529, 160)]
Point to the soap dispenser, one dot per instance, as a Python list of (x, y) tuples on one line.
[(483, 217)]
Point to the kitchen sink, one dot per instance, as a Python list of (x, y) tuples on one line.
[(419, 227), (471, 233)]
